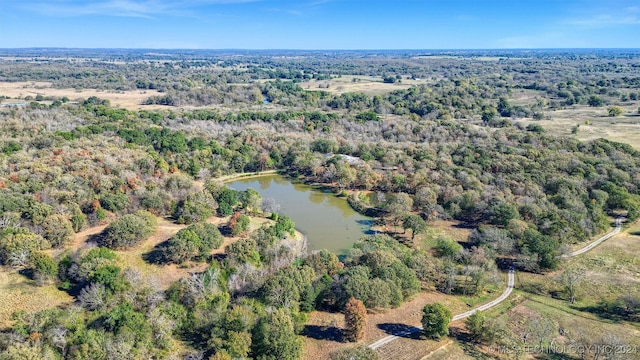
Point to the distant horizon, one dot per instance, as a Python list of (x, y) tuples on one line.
[(320, 24), (314, 49)]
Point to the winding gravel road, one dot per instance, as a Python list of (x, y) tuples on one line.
[(597, 242), (505, 294)]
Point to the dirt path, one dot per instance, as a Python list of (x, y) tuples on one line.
[(597, 242), (415, 329), (510, 284)]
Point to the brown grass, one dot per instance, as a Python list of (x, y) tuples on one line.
[(365, 84), (124, 99), (408, 314), (625, 128), (20, 293)]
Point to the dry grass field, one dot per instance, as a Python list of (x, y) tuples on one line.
[(365, 84), (20, 293), (594, 123), (124, 99)]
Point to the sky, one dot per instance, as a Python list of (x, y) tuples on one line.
[(320, 24)]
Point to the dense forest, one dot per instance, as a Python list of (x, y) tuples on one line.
[(447, 146)]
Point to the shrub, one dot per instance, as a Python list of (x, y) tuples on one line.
[(58, 230), (11, 147), (44, 267), (129, 230), (615, 111), (115, 202), (435, 320), (14, 240), (37, 212), (284, 225), (360, 352), (239, 224), (193, 242), (475, 325), (196, 207), (595, 101), (78, 219), (448, 248)]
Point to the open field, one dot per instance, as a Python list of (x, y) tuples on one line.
[(125, 99), (323, 332), (613, 270), (594, 123), (365, 84), (20, 293)]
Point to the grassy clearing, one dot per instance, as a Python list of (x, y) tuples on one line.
[(365, 84), (125, 99), (20, 293), (613, 269), (594, 123)]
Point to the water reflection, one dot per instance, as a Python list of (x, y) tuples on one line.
[(327, 221)]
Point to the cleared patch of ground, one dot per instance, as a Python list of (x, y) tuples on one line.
[(594, 123), (17, 292), (323, 330), (612, 270), (124, 99), (364, 84)]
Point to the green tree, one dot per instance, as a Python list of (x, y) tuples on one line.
[(275, 337), (185, 245), (227, 200), (435, 320), (251, 200), (615, 111), (475, 325), (197, 207), (398, 205), (595, 101), (415, 223), (58, 230), (209, 235), (355, 320), (129, 230), (448, 248)]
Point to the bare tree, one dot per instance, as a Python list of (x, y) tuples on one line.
[(269, 205), (19, 259), (93, 296), (58, 339), (570, 279), (541, 329)]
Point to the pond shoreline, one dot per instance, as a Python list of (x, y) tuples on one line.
[(328, 220)]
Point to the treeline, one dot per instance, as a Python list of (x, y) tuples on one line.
[(535, 188)]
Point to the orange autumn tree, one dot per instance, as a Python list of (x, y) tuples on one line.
[(355, 318)]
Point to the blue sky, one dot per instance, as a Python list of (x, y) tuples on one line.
[(320, 24)]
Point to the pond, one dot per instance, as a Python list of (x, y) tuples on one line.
[(327, 221)]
